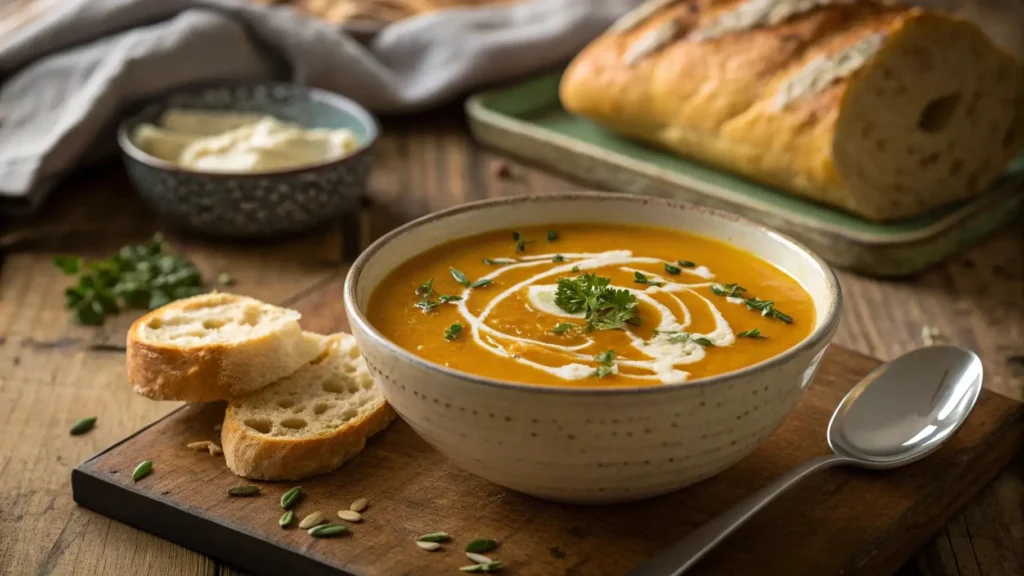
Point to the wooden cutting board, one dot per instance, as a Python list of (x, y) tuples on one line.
[(841, 521)]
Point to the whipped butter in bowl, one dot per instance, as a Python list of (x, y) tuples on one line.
[(224, 141), (250, 160)]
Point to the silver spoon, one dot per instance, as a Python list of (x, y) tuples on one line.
[(901, 412)]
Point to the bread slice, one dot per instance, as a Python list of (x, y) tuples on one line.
[(215, 347), (308, 423)]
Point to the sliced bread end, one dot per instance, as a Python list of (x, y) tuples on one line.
[(308, 423), (215, 347)]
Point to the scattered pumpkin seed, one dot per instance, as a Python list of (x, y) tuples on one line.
[(289, 498), (349, 515), (286, 519), (429, 546), (434, 537), (312, 520), (326, 530), (83, 426), (142, 470), (244, 490), (478, 558), (359, 505), (481, 545), (212, 447), (489, 567)]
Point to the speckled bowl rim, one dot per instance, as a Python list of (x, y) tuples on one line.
[(823, 331), (333, 99)]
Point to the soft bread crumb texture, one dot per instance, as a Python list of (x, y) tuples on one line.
[(307, 423), (215, 347), (215, 319)]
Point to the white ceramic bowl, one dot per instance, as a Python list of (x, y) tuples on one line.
[(591, 445)]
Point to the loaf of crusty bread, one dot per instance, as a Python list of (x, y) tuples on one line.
[(308, 423), (215, 347), (882, 111)]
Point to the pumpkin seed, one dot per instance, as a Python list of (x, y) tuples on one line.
[(349, 515), (312, 520), (83, 426), (434, 537), (244, 490), (142, 470), (289, 498), (327, 530), (428, 546), (478, 558), (489, 567), (359, 505), (286, 519), (481, 545)]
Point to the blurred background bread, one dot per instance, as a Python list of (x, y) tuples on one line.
[(883, 111)]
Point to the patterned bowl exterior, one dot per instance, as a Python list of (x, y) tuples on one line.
[(255, 205), (591, 445)]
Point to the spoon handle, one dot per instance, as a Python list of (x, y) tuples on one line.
[(681, 556)]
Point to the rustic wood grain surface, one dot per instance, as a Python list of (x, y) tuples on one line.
[(53, 371)]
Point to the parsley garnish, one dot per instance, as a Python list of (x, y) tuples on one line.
[(521, 245), (558, 258), (607, 363), (499, 261), (640, 278), (552, 235), (426, 305), (682, 338), (672, 269), (446, 298), (686, 263), (426, 288), (606, 308), (575, 268), (767, 309), (727, 290), (461, 278), (453, 331), (755, 333), (703, 341), (517, 236), (563, 328)]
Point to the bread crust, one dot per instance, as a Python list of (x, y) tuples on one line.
[(214, 371), (717, 99), (260, 456)]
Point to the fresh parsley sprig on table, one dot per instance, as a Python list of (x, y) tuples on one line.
[(605, 308), (146, 275)]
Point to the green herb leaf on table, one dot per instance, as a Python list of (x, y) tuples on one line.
[(481, 545), (552, 235), (83, 426), (453, 331), (434, 537), (755, 333), (686, 263), (672, 269), (68, 264)]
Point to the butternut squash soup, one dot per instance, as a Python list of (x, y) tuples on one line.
[(591, 305)]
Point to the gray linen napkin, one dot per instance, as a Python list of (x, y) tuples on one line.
[(69, 75)]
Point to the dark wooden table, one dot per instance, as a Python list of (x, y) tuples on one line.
[(53, 371)]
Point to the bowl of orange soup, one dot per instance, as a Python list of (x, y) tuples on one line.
[(591, 347)]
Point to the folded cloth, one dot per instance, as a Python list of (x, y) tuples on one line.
[(68, 75)]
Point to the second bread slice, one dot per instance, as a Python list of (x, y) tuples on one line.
[(309, 423)]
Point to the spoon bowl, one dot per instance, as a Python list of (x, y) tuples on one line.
[(899, 413), (906, 408)]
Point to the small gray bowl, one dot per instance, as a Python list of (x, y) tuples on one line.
[(254, 205)]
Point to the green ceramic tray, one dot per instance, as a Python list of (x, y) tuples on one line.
[(527, 121)]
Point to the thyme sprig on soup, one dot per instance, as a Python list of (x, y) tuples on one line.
[(591, 305)]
